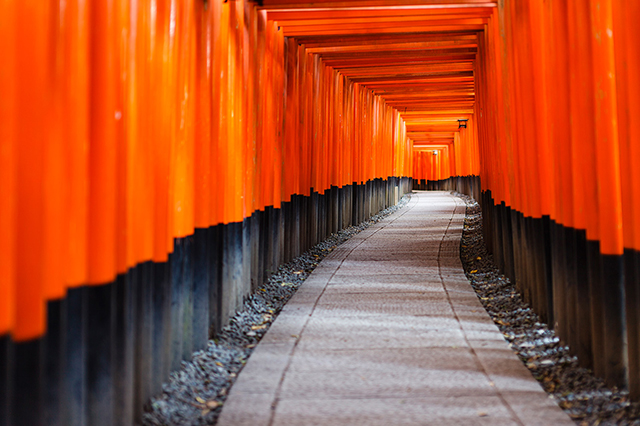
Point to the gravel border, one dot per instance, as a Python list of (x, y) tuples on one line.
[(584, 397), (194, 395)]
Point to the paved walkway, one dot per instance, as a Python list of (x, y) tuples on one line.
[(388, 331)]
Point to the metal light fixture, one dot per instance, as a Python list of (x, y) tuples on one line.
[(462, 123)]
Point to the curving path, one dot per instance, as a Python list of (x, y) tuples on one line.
[(388, 331)]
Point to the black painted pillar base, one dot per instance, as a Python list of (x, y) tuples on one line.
[(244, 289), (632, 308), (256, 235), (215, 274), (531, 283), (507, 241), (161, 336), (201, 282), (571, 292), (54, 396), (231, 269), (559, 283), (614, 319), (28, 369), (187, 292), (545, 265), (6, 379), (75, 407), (583, 348), (100, 333), (177, 262), (142, 279), (124, 341), (314, 215), (597, 288)]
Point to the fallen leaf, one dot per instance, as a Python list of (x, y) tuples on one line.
[(482, 414), (200, 400), (258, 327), (213, 404), (474, 271), (205, 412), (478, 258)]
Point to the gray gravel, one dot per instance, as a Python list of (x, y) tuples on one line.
[(195, 394), (583, 396)]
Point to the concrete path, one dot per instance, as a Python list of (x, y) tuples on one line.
[(388, 331)]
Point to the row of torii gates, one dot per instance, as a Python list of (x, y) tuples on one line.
[(159, 157)]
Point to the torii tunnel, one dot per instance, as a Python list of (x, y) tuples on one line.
[(160, 158)]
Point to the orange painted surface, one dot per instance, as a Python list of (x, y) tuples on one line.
[(101, 248), (606, 128), (123, 220), (628, 89), (76, 134), (32, 98), (126, 125), (217, 179), (542, 145), (581, 110), (54, 165), (202, 131), (558, 94), (8, 165)]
